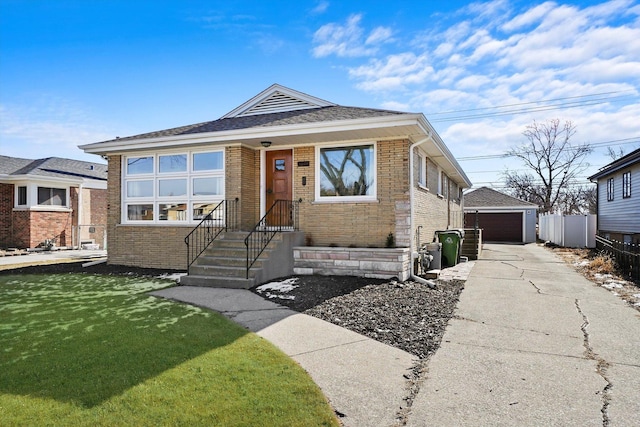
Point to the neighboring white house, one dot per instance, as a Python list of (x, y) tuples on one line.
[(501, 217)]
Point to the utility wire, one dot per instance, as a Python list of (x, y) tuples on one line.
[(580, 101), (593, 145)]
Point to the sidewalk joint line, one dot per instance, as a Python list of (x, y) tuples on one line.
[(329, 347)]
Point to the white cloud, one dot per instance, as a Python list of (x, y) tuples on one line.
[(348, 40), (52, 127), (483, 73), (529, 17), (320, 8)]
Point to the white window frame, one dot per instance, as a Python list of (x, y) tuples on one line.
[(188, 199), (422, 169), (32, 195), (443, 189), (626, 185), (351, 199)]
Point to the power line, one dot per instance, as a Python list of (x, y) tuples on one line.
[(584, 100), (601, 144)]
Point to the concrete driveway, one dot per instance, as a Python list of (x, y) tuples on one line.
[(533, 343)]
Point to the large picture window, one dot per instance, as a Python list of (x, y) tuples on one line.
[(173, 187), (347, 172)]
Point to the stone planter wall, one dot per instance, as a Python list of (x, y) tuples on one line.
[(363, 262)]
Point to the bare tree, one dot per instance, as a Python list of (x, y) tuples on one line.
[(580, 199), (553, 160), (615, 154)]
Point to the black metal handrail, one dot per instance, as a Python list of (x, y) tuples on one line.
[(223, 217), (281, 216)]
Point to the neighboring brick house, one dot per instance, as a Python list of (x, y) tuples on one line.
[(356, 176), (618, 199), (52, 199)]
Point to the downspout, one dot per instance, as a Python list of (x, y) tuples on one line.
[(79, 216), (414, 252)]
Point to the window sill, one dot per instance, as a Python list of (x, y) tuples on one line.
[(349, 201), (441, 196), (43, 208)]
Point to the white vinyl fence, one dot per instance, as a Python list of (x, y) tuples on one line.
[(570, 231)]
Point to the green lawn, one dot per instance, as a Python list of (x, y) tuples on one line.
[(96, 350)]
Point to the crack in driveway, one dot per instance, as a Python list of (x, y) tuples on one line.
[(601, 366)]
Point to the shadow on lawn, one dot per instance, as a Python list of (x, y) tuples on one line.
[(87, 338)]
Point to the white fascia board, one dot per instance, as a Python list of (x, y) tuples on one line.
[(252, 133), (94, 184), (439, 143)]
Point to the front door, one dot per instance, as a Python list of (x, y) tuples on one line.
[(279, 171)]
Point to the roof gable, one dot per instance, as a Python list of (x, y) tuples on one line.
[(277, 99), (487, 197)]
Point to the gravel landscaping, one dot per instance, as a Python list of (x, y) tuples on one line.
[(409, 316)]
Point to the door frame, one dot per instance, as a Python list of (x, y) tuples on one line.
[(263, 176)]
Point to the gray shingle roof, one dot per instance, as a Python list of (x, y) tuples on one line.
[(312, 115), (52, 167), (623, 162), (485, 197)]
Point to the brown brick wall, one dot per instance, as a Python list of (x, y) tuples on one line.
[(433, 212), (364, 224), (22, 228), (44, 225), (148, 246), (242, 166), (6, 216)]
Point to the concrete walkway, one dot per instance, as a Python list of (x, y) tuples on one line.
[(51, 257), (533, 343)]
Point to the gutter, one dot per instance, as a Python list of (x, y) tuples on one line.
[(414, 253)]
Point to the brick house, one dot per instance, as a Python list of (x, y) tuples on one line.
[(52, 199), (343, 189)]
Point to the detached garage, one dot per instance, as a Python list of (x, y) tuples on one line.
[(502, 218)]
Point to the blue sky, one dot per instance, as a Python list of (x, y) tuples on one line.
[(77, 72)]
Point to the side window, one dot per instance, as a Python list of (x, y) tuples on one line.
[(22, 196), (626, 185), (610, 189), (52, 196)]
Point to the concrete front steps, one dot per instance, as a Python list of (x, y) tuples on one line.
[(223, 263)]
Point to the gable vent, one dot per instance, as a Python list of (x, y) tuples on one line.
[(278, 102)]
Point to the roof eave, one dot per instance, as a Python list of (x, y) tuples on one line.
[(264, 132), (444, 150)]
